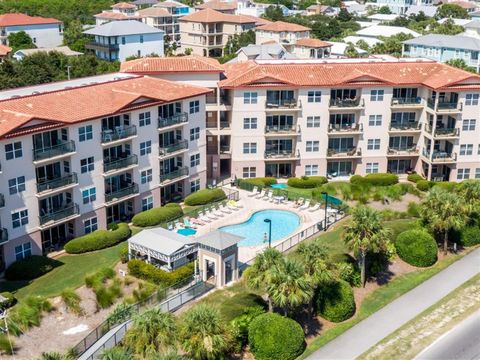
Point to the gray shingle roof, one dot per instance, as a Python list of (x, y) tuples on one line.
[(446, 41), (161, 240), (120, 28), (219, 240)]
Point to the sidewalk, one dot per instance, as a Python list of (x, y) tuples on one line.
[(370, 331)]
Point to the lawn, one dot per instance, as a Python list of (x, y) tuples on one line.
[(70, 274)]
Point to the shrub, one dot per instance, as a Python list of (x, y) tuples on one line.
[(272, 336), (145, 290), (414, 178), (72, 301), (99, 277), (349, 273), (379, 179), (470, 236), (31, 268), (27, 314), (413, 209), (342, 258), (260, 182), (417, 247), (241, 323), (145, 271), (424, 185), (307, 182), (5, 346), (335, 301), (121, 313), (98, 239), (9, 301), (157, 216), (205, 196), (356, 179), (446, 185)]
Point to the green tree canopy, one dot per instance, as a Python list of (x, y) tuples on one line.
[(449, 10), (273, 13), (73, 36), (391, 45), (384, 10), (447, 28), (20, 40)]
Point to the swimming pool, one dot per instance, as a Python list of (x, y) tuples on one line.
[(279, 186), (284, 223), (187, 231)]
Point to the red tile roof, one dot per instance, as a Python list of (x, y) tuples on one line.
[(211, 16), (74, 105), (171, 65), (218, 5), (4, 50), (115, 16), (153, 12), (280, 26), (314, 43), (123, 5), (14, 19)]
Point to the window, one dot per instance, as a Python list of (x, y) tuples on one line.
[(89, 195), (313, 121), (372, 168), (194, 106), (16, 185), (373, 144), (123, 40), (312, 146), (19, 218), (146, 176), (147, 203), (194, 185), (145, 147), (87, 165), (23, 251), (249, 148), (194, 134), (463, 174), (249, 172), (376, 95), (311, 170), (375, 120), (13, 150), (194, 160), (250, 123), (469, 124), (250, 98), (471, 99), (90, 225), (144, 119), (466, 149), (141, 39), (85, 133), (314, 96), (477, 173)]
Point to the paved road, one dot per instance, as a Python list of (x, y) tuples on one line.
[(370, 331), (462, 342)]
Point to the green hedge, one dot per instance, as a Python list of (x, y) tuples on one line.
[(31, 268), (142, 270), (417, 247), (380, 179), (307, 182), (414, 178), (99, 239), (260, 182), (424, 185), (470, 236), (205, 196), (272, 336), (335, 301), (157, 216)]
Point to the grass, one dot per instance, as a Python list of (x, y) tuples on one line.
[(70, 274)]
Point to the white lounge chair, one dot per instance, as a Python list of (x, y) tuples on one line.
[(210, 215), (314, 207), (254, 192), (218, 213), (236, 204), (267, 194), (270, 196), (298, 202), (261, 194), (203, 217), (306, 205), (225, 209)]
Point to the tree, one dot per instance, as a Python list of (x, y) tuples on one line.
[(188, 51), (362, 44), (451, 11), (203, 333), (461, 64), (351, 52), (152, 331), (365, 233), (344, 15), (273, 13), (446, 28), (20, 40), (443, 211), (238, 41), (391, 45), (384, 10), (259, 275), (115, 353), (73, 36), (469, 190)]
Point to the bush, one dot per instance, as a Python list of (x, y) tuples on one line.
[(356, 179), (205, 196), (31, 268), (335, 301), (99, 239), (145, 271), (342, 258), (9, 301), (260, 182), (413, 209), (414, 178), (424, 185), (446, 185), (27, 314), (99, 277), (349, 273), (379, 179), (307, 182), (5, 346), (72, 301), (470, 236), (157, 216), (272, 336), (241, 323), (417, 247)]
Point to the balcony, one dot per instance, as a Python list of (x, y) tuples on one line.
[(440, 156), (3, 236), (350, 104), (283, 104), (407, 102), (119, 133), (175, 175), (405, 127), (446, 132), (57, 183), (127, 191), (95, 45), (445, 106), (2, 200), (282, 130), (177, 119), (225, 149), (173, 149), (282, 154), (410, 151), (344, 152), (120, 163), (341, 129), (58, 150), (62, 214)]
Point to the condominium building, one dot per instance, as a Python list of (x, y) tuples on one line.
[(286, 34), (80, 154)]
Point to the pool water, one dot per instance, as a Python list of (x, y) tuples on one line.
[(279, 186), (284, 223), (187, 232)]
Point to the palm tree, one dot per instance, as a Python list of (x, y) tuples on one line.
[(364, 233), (115, 353), (290, 286), (258, 276), (151, 331), (203, 333), (55, 356), (443, 211), (469, 190)]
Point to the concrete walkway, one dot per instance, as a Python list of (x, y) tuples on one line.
[(370, 331)]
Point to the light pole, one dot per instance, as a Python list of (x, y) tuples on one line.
[(325, 195), (269, 222)]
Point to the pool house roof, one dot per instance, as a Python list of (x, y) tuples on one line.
[(218, 240)]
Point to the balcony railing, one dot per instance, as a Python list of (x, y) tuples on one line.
[(120, 163), (95, 45), (176, 119), (345, 127), (445, 132), (281, 154), (118, 134), (439, 155), (169, 149), (406, 100), (352, 151), (52, 151), (283, 103), (121, 193), (57, 182), (346, 103), (278, 129), (63, 213), (2, 200), (403, 150), (405, 126), (224, 149), (443, 105), (3, 235), (180, 172)]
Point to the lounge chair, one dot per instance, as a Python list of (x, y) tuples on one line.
[(223, 208), (170, 226), (314, 207), (188, 224), (267, 195), (236, 204), (261, 194), (231, 205), (197, 221), (306, 205), (218, 213), (298, 202), (254, 192), (270, 197), (203, 216), (210, 215), (178, 225)]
